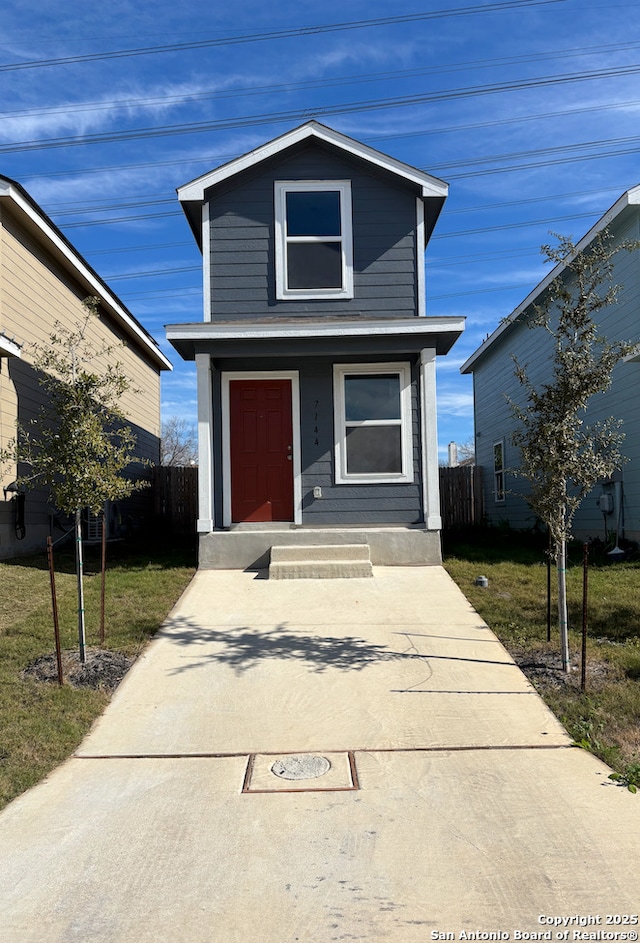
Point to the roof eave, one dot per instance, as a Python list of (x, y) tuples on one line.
[(9, 347), (414, 334), (430, 186), (629, 198), (11, 189)]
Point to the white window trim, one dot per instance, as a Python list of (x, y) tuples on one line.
[(281, 188), (349, 369), (226, 378), (498, 500)]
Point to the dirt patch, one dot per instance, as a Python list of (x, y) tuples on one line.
[(544, 670), (102, 669)]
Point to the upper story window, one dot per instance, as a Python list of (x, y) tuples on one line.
[(314, 245)]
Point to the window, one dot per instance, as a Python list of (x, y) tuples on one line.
[(372, 404), (314, 251), (498, 470)]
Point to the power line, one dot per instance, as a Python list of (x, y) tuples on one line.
[(155, 272), (568, 150), (538, 151), (149, 248), (121, 219), (276, 34), (480, 291), (403, 101), (218, 94)]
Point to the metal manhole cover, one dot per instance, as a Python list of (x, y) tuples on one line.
[(301, 766)]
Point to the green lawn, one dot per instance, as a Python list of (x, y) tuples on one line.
[(42, 723), (606, 716)]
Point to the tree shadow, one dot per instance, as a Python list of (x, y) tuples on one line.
[(617, 624), (243, 648), (129, 554)]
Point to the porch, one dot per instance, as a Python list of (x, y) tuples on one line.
[(248, 546)]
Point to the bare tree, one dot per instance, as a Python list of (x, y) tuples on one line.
[(179, 445)]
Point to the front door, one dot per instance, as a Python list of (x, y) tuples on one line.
[(261, 444)]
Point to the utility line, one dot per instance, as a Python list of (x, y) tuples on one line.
[(218, 94), (257, 120), (567, 149), (277, 34)]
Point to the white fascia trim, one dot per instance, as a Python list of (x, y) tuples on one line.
[(227, 377), (420, 250), (207, 313), (7, 190), (629, 198), (9, 347), (403, 326), (633, 357), (430, 186)]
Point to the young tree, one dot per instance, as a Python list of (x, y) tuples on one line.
[(562, 456), (179, 445), (79, 444)]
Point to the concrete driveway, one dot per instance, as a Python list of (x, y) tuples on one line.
[(438, 795)]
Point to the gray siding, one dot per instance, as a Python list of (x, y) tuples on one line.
[(494, 381), (242, 241), (340, 504)]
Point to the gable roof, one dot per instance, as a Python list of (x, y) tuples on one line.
[(614, 216), (431, 189), (48, 234)]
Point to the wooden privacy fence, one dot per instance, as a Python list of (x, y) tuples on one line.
[(461, 496), (175, 495)]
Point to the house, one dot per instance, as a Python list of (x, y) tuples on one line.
[(315, 360), (614, 506), (43, 280)]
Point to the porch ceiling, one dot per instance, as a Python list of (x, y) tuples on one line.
[(326, 337)]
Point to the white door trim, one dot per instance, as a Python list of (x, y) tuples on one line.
[(227, 377)]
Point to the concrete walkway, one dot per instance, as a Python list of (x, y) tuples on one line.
[(454, 803)]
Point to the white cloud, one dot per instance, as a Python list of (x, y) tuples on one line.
[(111, 109), (455, 403)]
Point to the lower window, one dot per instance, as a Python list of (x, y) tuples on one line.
[(372, 404)]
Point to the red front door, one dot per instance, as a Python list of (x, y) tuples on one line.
[(261, 450)]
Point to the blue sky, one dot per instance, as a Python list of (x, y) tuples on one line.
[(527, 108)]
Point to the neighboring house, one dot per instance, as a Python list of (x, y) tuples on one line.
[(614, 505), (43, 280), (315, 360)]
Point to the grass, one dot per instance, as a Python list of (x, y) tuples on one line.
[(605, 718), (41, 724)]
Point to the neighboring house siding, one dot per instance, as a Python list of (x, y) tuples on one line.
[(242, 240), (35, 293), (494, 380)]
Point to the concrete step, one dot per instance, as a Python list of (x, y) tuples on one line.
[(343, 561), (290, 553)]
